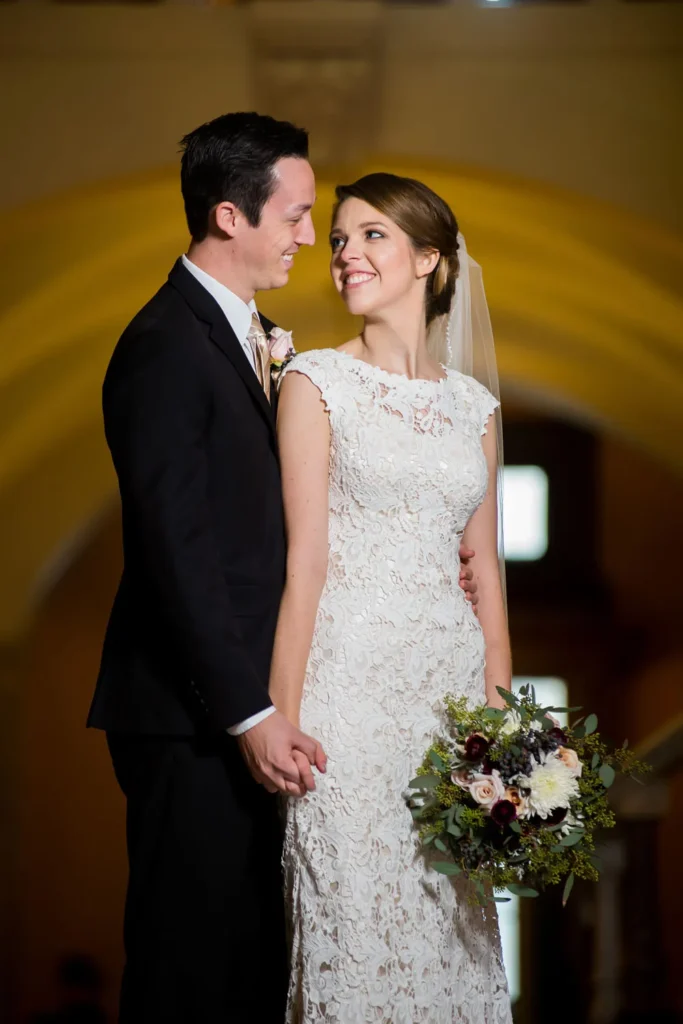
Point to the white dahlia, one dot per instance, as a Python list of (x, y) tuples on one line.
[(551, 785)]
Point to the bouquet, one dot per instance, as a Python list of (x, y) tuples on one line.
[(513, 800)]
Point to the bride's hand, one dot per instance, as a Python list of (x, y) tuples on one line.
[(271, 750)]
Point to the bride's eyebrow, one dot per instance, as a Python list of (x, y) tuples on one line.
[(335, 232)]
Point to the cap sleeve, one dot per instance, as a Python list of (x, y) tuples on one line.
[(484, 404), (319, 368)]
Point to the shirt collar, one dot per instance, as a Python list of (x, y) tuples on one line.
[(237, 312)]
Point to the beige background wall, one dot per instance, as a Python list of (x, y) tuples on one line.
[(586, 97)]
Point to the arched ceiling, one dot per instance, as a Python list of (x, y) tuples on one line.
[(586, 302)]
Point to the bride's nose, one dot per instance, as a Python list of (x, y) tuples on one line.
[(350, 252)]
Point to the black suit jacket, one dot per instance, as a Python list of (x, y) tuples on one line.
[(192, 437)]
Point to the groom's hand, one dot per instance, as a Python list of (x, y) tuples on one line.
[(279, 756), (467, 580)]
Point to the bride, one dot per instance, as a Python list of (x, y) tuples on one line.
[(387, 467)]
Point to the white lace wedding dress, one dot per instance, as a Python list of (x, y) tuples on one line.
[(377, 936)]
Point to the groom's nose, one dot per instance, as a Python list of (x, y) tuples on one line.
[(306, 232)]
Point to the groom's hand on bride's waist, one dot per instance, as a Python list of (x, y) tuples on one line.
[(280, 756), (467, 580)]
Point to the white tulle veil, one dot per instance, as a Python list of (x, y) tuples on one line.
[(463, 340)]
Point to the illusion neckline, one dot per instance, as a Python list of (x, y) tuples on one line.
[(390, 375)]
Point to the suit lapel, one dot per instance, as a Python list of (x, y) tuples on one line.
[(221, 333)]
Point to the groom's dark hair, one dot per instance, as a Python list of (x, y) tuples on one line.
[(231, 159)]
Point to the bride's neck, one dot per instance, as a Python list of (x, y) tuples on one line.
[(397, 345)]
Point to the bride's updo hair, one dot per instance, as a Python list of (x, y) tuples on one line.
[(428, 221)]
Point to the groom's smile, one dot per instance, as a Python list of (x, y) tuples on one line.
[(285, 224)]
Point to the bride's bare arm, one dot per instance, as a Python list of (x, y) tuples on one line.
[(304, 440), (482, 536)]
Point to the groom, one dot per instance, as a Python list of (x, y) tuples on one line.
[(197, 747)]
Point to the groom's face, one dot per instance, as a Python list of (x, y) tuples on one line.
[(269, 250)]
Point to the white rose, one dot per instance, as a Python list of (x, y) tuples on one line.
[(486, 789), (511, 723)]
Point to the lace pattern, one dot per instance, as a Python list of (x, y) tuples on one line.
[(377, 936)]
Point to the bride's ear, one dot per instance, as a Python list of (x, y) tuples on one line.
[(427, 261)]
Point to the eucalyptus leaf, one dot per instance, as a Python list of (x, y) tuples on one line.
[(591, 724), (441, 846), (579, 731), (607, 775), (496, 714), (428, 840), (437, 761), (516, 827), (500, 899), (521, 890), (455, 831), (568, 886), (446, 868), (595, 761), (425, 782), (508, 696), (572, 839)]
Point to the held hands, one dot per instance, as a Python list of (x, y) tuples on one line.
[(280, 756), (467, 580)]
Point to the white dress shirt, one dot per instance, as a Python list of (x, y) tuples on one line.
[(238, 315)]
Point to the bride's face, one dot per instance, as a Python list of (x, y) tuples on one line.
[(374, 264)]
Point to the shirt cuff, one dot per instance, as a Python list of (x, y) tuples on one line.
[(249, 723)]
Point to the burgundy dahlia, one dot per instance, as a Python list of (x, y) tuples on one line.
[(476, 747), (558, 815), (558, 734), (503, 812)]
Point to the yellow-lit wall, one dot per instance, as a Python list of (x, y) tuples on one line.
[(553, 132)]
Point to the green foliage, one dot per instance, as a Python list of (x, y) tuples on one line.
[(527, 855)]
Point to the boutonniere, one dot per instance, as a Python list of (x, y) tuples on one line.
[(281, 351)]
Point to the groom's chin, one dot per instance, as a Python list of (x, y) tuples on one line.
[(278, 278)]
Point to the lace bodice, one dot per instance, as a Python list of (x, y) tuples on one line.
[(406, 470), (377, 936)]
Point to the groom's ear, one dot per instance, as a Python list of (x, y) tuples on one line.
[(227, 219)]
